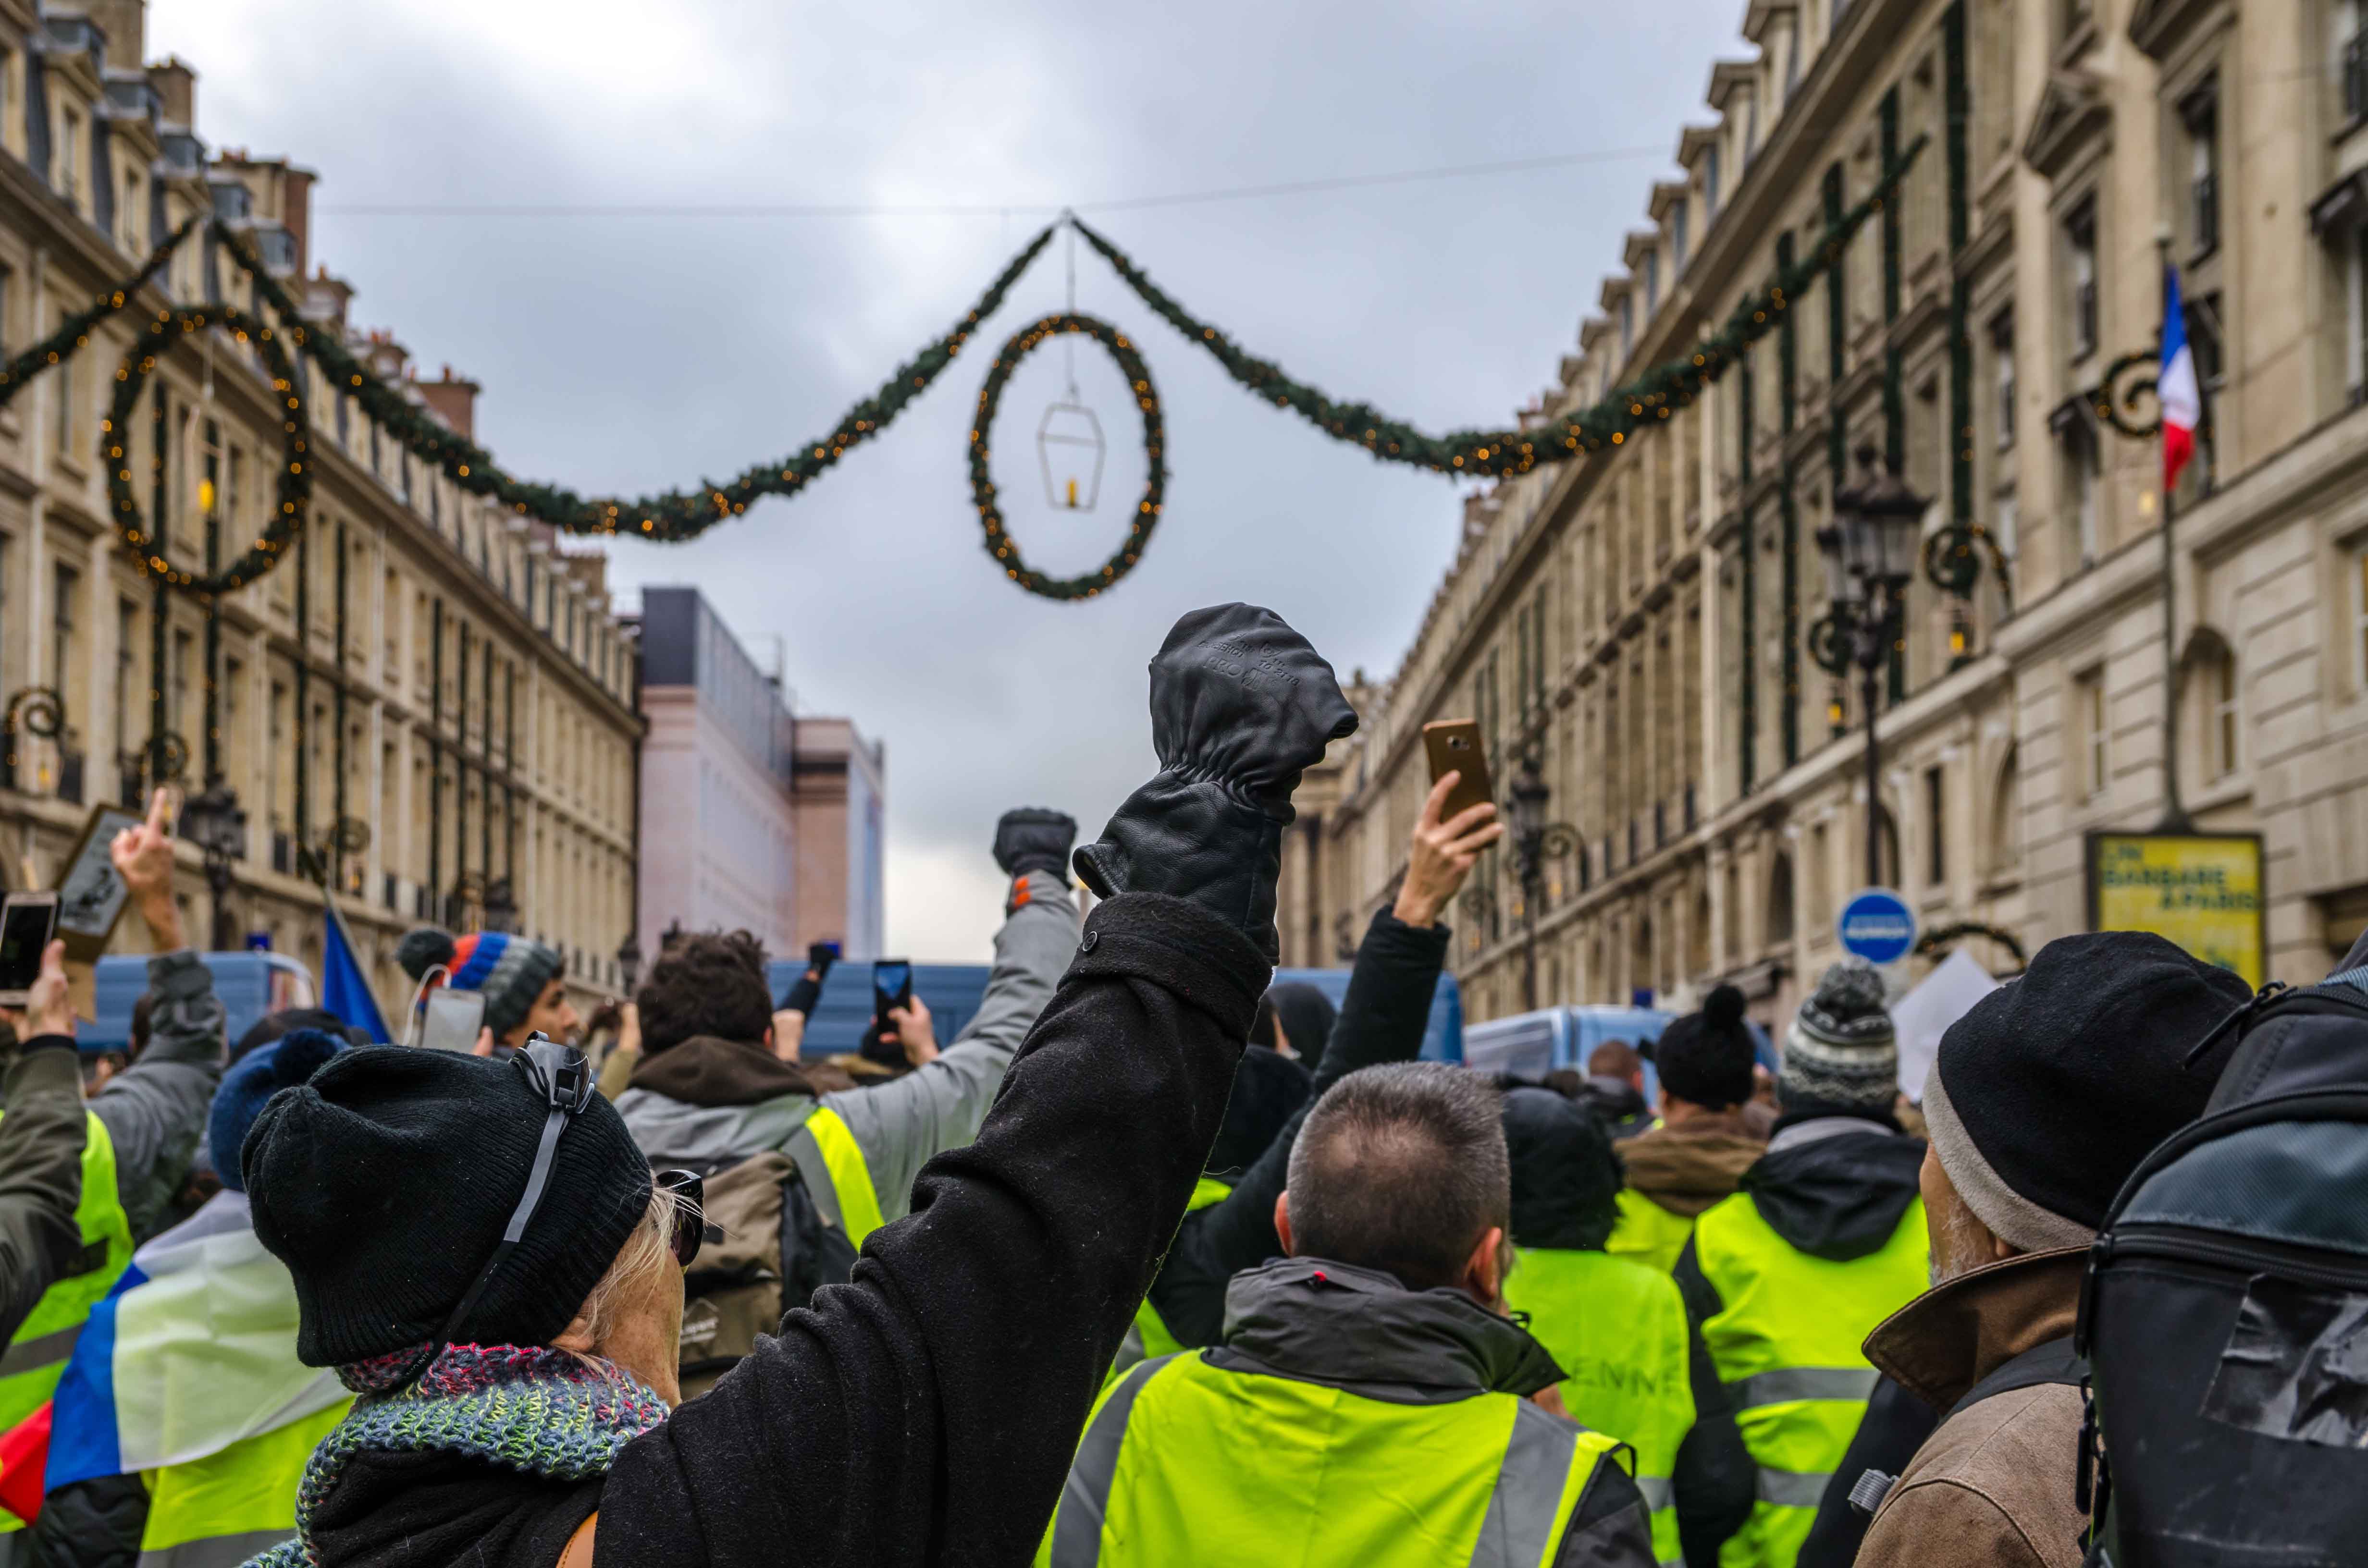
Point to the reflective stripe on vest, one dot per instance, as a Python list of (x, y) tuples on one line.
[(1786, 1342), (832, 1164), (36, 1355), (1617, 1330), (1147, 1335), (1646, 1233), (1188, 1462), (220, 1510)]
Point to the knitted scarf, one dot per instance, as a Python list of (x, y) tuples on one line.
[(543, 1412)]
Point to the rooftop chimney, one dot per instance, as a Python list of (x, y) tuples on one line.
[(453, 400), (177, 90), (125, 23)]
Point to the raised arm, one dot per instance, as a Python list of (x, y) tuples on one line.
[(156, 1109), (902, 1124), (40, 1146), (1384, 1017), (928, 1411)]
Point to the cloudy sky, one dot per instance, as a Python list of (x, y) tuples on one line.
[(630, 353)]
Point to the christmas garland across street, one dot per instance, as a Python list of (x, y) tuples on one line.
[(679, 514)]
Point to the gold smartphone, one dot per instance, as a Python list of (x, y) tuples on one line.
[(1454, 746)]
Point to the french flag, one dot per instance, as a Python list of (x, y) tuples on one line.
[(2180, 397)]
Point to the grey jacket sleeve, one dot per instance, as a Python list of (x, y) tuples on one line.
[(902, 1124), (156, 1109), (40, 1175)]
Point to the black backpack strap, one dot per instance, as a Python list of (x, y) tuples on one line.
[(2050, 1362)]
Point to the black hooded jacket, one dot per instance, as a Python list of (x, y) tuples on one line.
[(1838, 1196), (1383, 1018), (927, 1412)]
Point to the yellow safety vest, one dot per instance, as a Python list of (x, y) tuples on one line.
[(1185, 1462), (1647, 1232), (850, 1178), (37, 1356), (1617, 1328), (1149, 1337), (1785, 1341), (220, 1510)]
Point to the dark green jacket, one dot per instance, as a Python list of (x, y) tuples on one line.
[(41, 1172)]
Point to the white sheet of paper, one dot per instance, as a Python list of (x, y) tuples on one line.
[(1919, 1018)]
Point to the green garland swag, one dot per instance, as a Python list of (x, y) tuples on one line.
[(999, 543), (680, 514), (1648, 398), (140, 537)]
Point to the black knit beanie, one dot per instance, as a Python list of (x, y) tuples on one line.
[(1566, 1179), (1269, 1088), (2046, 1096), (384, 1185), (1306, 1015), (1839, 1055), (1705, 1058)]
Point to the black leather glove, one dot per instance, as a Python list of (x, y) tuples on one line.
[(1033, 839), (1240, 707), (806, 990)]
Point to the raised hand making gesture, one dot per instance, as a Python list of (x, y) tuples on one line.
[(1442, 853), (144, 858)]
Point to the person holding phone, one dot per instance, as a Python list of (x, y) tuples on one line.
[(524, 984)]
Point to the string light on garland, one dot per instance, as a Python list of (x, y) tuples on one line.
[(678, 514), (1000, 545)]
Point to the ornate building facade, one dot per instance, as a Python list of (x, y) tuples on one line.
[(428, 693), (1644, 620)]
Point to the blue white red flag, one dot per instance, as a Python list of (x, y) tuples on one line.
[(2181, 397)]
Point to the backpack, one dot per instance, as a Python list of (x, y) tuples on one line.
[(2224, 1310), (778, 1249)]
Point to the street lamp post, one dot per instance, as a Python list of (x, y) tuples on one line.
[(1534, 841), (1869, 549), (213, 821), (628, 962), (501, 907)]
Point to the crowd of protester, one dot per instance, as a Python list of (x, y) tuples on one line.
[(1152, 1263)]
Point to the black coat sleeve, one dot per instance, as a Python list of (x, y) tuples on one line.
[(41, 1174), (1610, 1527), (1383, 1018), (927, 1412), (1715, 1481), (1894, 1427)]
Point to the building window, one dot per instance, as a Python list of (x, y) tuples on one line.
[(2200, 112), (127, 637), (2225, 731), (2080, 453), (1710, 181), (1750, 126), (68, 182), (1652, 281), (2354, 240), (127, 220), (2090, 735), (1627, 325), (1936, 828), (2080, 274), (61, 626), (1792, 61), (2002, 374), (2360, 615), (2005, 525), (65, 392), (2352, 58), (1678, 235)]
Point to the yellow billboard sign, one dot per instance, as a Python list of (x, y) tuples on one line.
[(2202, 890)]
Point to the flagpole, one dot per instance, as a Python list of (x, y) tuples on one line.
[(2174, 815)]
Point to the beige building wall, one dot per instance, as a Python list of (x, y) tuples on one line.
[(1627, 617), (461, 691)]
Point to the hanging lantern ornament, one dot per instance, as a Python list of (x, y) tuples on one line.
[(1069, 448)]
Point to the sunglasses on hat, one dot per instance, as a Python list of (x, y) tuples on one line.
[(690, 1226)]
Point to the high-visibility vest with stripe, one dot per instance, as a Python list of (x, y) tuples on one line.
[(1184, 1461), (832, 1165), (220, 1510), (1647, 1232), (1617, 1328), (36, 1355), (1149, 1337), (1786, 1342)]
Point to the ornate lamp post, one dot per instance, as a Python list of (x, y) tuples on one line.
[(501, 907), (1534, 841), (213, 821), (628, 962), (1870, 552)]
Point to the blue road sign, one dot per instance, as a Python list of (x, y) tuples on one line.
[(1877, 926)]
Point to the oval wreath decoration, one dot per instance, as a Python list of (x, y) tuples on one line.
[(295, 487), (999, 543)]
